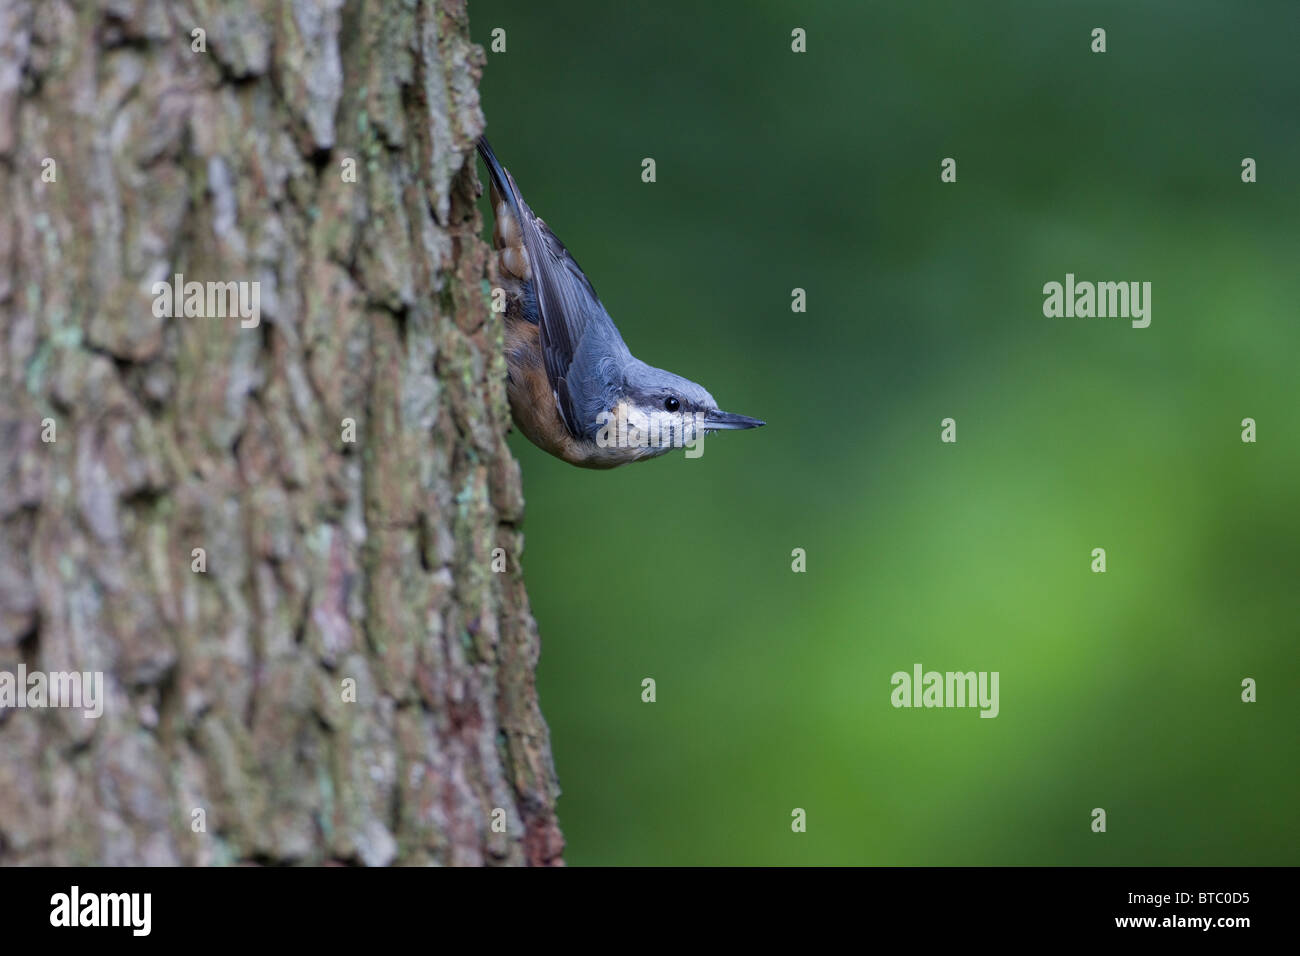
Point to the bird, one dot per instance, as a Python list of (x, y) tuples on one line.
[(575, 389)]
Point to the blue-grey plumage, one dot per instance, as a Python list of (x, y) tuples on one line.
[(570, 374)]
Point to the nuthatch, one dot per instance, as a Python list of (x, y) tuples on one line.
[(575, 390)]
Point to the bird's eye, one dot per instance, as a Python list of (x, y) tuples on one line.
[(672, 404)]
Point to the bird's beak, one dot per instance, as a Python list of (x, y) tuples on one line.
[(726, 421)]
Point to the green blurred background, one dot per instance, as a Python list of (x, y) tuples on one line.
[(820, 170)]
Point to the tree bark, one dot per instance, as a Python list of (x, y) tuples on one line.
[(227, 732)]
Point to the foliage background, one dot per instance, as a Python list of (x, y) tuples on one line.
[(821, 171)]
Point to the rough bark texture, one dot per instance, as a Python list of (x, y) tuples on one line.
[(325, 559)]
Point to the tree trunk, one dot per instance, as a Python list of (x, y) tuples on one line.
[(307, 653)]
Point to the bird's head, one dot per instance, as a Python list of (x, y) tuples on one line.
[(672, 411)]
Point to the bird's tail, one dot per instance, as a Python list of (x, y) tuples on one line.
[(502, 180)]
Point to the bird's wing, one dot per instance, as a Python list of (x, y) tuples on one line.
[(571, 317), (569, 312)]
